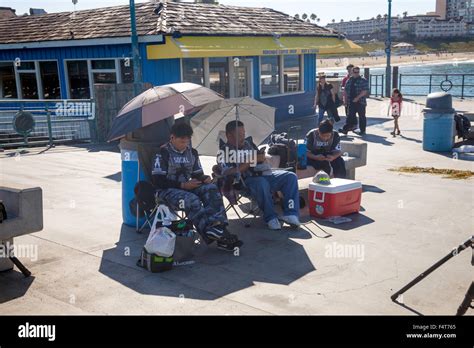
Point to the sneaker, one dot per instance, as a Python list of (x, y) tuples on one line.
[(393, 134), (398, 133), (291, 220), (343, 131), (229, 242), (215, 232), (274, 224)]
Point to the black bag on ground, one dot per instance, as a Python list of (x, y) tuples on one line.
[(155, 263), (463, 125), (281, 145)]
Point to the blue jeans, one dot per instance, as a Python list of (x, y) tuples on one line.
[(262, 188), (321, 113)]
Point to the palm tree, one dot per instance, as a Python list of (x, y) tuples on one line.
[(318, 20), (297, 16), (333, 20), (379, 17), (358, 18), (342, 20), (304, 16), (405, 14), (385, 16), (313, 17)]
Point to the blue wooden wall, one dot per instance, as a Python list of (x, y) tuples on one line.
[(164, 71)]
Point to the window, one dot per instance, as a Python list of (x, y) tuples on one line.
[(292, 73), (7, 81), (219, 76), (79, 87), (103, 71), (280, 74), (26, 66), (29, 86), (193, 70), (104, 77), (50, 80), (103, 64), (269, 75)]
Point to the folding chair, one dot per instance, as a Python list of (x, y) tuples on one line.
[(148, 202), (234, 192)]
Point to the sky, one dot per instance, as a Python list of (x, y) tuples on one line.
[(324, 9)]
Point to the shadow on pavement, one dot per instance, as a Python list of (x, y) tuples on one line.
[(14, 285), (267, 256), (358, 220)]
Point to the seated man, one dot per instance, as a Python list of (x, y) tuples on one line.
[(324, 150), (261, 184), (181, 183)]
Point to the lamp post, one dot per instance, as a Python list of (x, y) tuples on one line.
[(137, 69), (388, 51)]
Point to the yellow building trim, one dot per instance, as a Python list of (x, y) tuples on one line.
[(226, 46)]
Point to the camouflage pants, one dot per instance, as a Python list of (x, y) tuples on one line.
[(203, 205)]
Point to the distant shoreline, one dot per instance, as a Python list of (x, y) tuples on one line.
[(379, 62)]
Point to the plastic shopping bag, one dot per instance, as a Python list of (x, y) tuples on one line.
[(161, 240)]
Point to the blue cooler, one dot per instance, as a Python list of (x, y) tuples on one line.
[(438, 123)]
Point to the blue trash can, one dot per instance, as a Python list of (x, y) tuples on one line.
[(130, 175), (438, 123)]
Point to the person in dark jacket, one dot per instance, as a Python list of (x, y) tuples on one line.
[(180, 182), (326, 100), (324, 150)]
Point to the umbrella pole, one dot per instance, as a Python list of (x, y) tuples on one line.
[(138, 179), (237, 141)]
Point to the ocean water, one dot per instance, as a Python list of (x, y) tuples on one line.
[(450, 70)]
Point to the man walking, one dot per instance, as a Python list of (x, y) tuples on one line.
[(356, 91)]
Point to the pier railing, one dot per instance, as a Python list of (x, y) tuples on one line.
[(458, 85)]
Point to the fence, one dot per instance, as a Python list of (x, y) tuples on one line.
[(56, 121), (377, 85), (458, 85)]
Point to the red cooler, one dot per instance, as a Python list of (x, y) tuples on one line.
[(340, 198)]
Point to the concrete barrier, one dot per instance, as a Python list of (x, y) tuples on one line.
[(355, 156), (25, 215)]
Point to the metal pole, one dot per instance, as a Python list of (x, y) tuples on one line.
[(456, 251), (388, 51), (50, 128), (137, 69)]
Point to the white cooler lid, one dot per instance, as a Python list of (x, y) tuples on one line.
[(336, 186)]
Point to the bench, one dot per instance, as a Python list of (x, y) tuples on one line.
[(24, 215), (355, 155)]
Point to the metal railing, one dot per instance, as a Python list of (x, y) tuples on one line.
[(376, 85), (458, 85), (56, 122)]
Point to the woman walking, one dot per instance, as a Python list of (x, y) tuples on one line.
[(326, 100)]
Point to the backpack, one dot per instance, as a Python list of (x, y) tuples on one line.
[(3, 212), (281, 145), (463, 125)]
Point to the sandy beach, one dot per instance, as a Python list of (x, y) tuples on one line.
[(366, 61)]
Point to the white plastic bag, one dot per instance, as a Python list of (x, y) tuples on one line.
[(161, 240)]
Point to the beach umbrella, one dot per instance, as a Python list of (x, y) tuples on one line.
[(159, 103), (209, 123)]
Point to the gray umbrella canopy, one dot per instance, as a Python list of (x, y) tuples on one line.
[(209, 124)]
